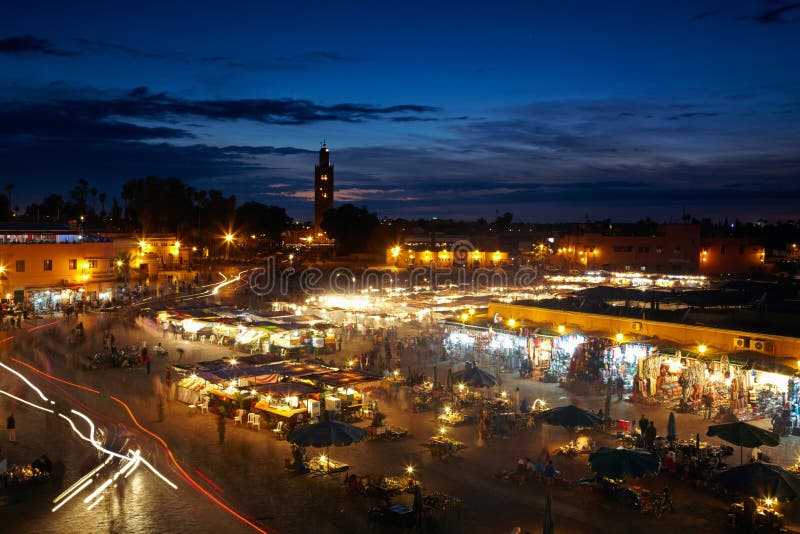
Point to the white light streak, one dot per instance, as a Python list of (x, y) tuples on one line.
[(24, 379), (99, 490), (65, 501), (95, 502)]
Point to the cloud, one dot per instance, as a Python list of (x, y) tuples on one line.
[(707, 14), (692, 115), (294, 61), (29, 45), (775, 15), (102, 109)]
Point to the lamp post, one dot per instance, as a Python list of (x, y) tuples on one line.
[(228, 238)]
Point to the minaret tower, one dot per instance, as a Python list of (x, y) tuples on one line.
[(323, 186)]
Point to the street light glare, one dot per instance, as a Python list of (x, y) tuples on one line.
[(229, 238)]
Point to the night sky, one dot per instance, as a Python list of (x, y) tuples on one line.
[(553, 111)]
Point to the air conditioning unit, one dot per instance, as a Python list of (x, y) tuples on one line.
[(636, 327), (740, 343), (762, 345)]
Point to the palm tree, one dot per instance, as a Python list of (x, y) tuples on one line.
[(9, 188), (93, 192), (102, 197)]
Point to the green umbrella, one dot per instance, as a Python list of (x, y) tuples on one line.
[(760, 480), (569, 416), (744, 435), (549, 525), (620, 463)]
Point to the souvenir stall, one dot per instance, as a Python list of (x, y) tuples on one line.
[(769, 388), (540, 349), (562, 352), (623, 360)]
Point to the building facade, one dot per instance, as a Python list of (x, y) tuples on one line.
[(323, 187), (46, 266), (670, 249)]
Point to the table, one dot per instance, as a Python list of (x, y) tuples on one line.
[(453, 418), (328, 467), (444, 447), (392, 485)]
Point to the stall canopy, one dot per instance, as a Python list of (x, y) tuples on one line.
[(297, 369), (260, 359), (342, 378), (284, 389)]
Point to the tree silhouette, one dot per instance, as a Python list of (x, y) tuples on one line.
[(9, 188)]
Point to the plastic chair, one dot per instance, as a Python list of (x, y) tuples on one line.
[(256, 422), (278, 430), (238, 417), (250, 418), (204, 406)]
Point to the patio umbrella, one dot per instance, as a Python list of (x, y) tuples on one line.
[(449, 380), (672, 428), (549, 526), (475, 377), (744, 435), (327, 433), (569, 416), (619, 463), (761, 480)]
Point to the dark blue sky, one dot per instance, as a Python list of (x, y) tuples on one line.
[(550, 110)]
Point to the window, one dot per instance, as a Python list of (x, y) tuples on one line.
[(48, 265), (92, 264), (643, 268), (73, 264), (658, 250), (324, 177), (676, 250), (623, 249), (20, 266), (627, 267), (644, 250)]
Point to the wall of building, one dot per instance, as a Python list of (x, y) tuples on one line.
[(674, 249), (49, 265), (730, 256), (402, 257), (685, 335)]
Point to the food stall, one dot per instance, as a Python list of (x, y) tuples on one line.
[(291, 402)]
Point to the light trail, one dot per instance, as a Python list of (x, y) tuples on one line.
[(132, 463), (187, 478), (95, 502), (7, 394), (77, 491), (24, 379), (82, 479)]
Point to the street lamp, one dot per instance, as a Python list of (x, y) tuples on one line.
[(228, 238)]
